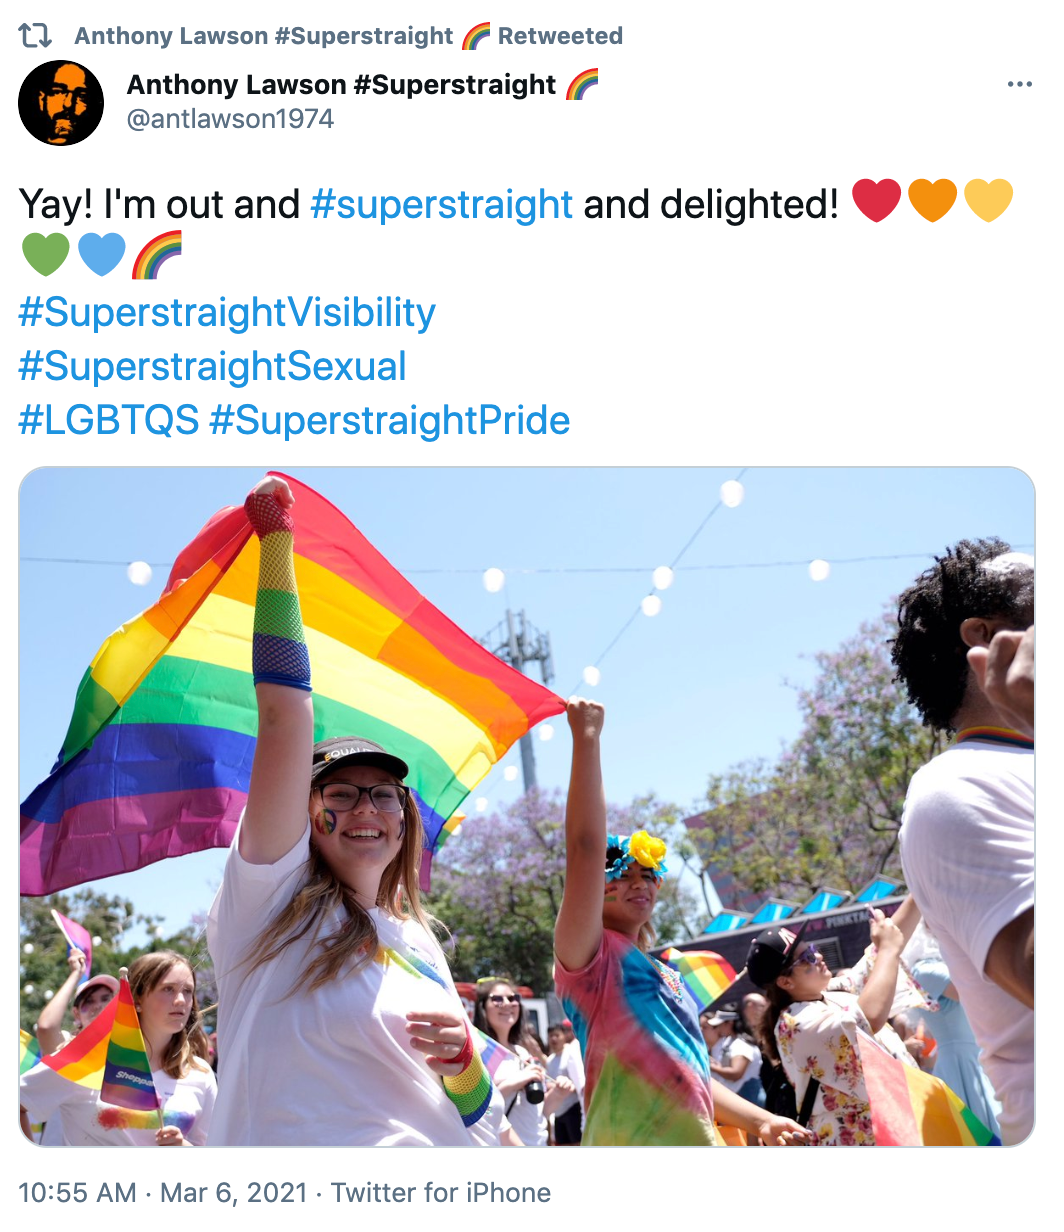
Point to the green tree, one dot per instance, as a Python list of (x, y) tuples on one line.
[(828, 810), (109, 919)]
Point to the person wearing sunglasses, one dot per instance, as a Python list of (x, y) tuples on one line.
[(341, 1022), (530, 1097), (813, 1021), (646, 1063)]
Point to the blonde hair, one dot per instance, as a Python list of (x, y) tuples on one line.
[(322, 893), (188, 1044)]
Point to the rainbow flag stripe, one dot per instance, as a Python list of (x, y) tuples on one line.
[(474, 37), (84, 1059), (155, 252), (157, 758), (911, 1108), (581, 83), (995, 735), (492, 1053), (29, 1051), (78, 937), (449, 829), (708, 976), (127, 1079)]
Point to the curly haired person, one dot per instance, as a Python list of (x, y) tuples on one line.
[(967, 837)]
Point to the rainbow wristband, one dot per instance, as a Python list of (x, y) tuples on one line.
[(469, 1091), (278, 648)]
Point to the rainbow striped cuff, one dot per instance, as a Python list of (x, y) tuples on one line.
[(278, 646), (470, 1091)]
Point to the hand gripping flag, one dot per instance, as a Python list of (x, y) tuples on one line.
[(157, 758), (76, 937)]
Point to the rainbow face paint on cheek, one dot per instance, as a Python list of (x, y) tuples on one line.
[(325, 821), (611, 898)]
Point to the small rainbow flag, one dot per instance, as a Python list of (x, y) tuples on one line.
[(707, 975), (76, 937), (151, 257), (911, 1108), (29, 1051), (83, 1060), (492, 1053), (157, 758), (127, 1079), (581, 83), (476, 35)]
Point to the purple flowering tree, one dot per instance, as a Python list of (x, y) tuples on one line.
[(498, 886)]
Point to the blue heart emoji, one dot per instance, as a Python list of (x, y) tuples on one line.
[(101, 253)]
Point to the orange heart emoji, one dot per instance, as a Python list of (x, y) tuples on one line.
[(932, 201), (989, 201)]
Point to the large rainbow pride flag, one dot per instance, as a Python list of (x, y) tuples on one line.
[(157, 758), (911, 1108)]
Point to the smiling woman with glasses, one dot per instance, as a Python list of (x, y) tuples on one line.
[(814, 1021), (323, 952), (530, 1097)]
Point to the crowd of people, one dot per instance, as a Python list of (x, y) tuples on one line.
[(340, 1020)]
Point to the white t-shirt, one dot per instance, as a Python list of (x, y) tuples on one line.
[(527, 1119), (568, 1064), (729, 1048), (87, 1121), (334, 1066), (967, 845)]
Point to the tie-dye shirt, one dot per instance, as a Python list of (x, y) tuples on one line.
[(87, 1121), (646, 1064)]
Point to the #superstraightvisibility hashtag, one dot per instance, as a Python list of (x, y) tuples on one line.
[(31, 417), (321, 203), (31, 364), (30, 313), (221, 418)]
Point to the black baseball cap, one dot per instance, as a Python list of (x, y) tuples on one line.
[(771, 953), (354, 751)]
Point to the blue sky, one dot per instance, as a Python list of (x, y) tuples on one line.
[(688, 692)]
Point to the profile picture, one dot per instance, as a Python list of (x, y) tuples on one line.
[(60, 103)]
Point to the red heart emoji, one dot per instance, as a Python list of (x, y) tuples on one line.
[(874, 200)]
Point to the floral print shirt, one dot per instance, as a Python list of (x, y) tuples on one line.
[(819, 1039)]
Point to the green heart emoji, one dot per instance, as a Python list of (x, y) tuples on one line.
[(46, 253)]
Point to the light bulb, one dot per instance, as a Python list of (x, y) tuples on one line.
[(546, 732), (651, 605), (592, 676), (139, 572), (28, 948), (732, 493), (662, 577), (510, 773), (819, 570), (494, 580), (482, 804)]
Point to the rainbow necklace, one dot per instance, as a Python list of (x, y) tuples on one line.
[(995, 735)]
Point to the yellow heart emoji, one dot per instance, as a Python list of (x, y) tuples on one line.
[(989, 201), (932, 201)]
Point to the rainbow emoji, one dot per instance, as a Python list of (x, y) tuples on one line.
[(579, 84), (155, 252), (472, 39)]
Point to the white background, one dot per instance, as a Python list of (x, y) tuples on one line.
[(797, 342)]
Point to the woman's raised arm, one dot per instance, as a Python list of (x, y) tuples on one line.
[(579, 929), (276, 813)]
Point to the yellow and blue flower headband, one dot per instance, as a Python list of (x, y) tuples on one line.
[(623, 850)]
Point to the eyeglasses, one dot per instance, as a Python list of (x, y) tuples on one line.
[(385, 797), (500, 999)]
